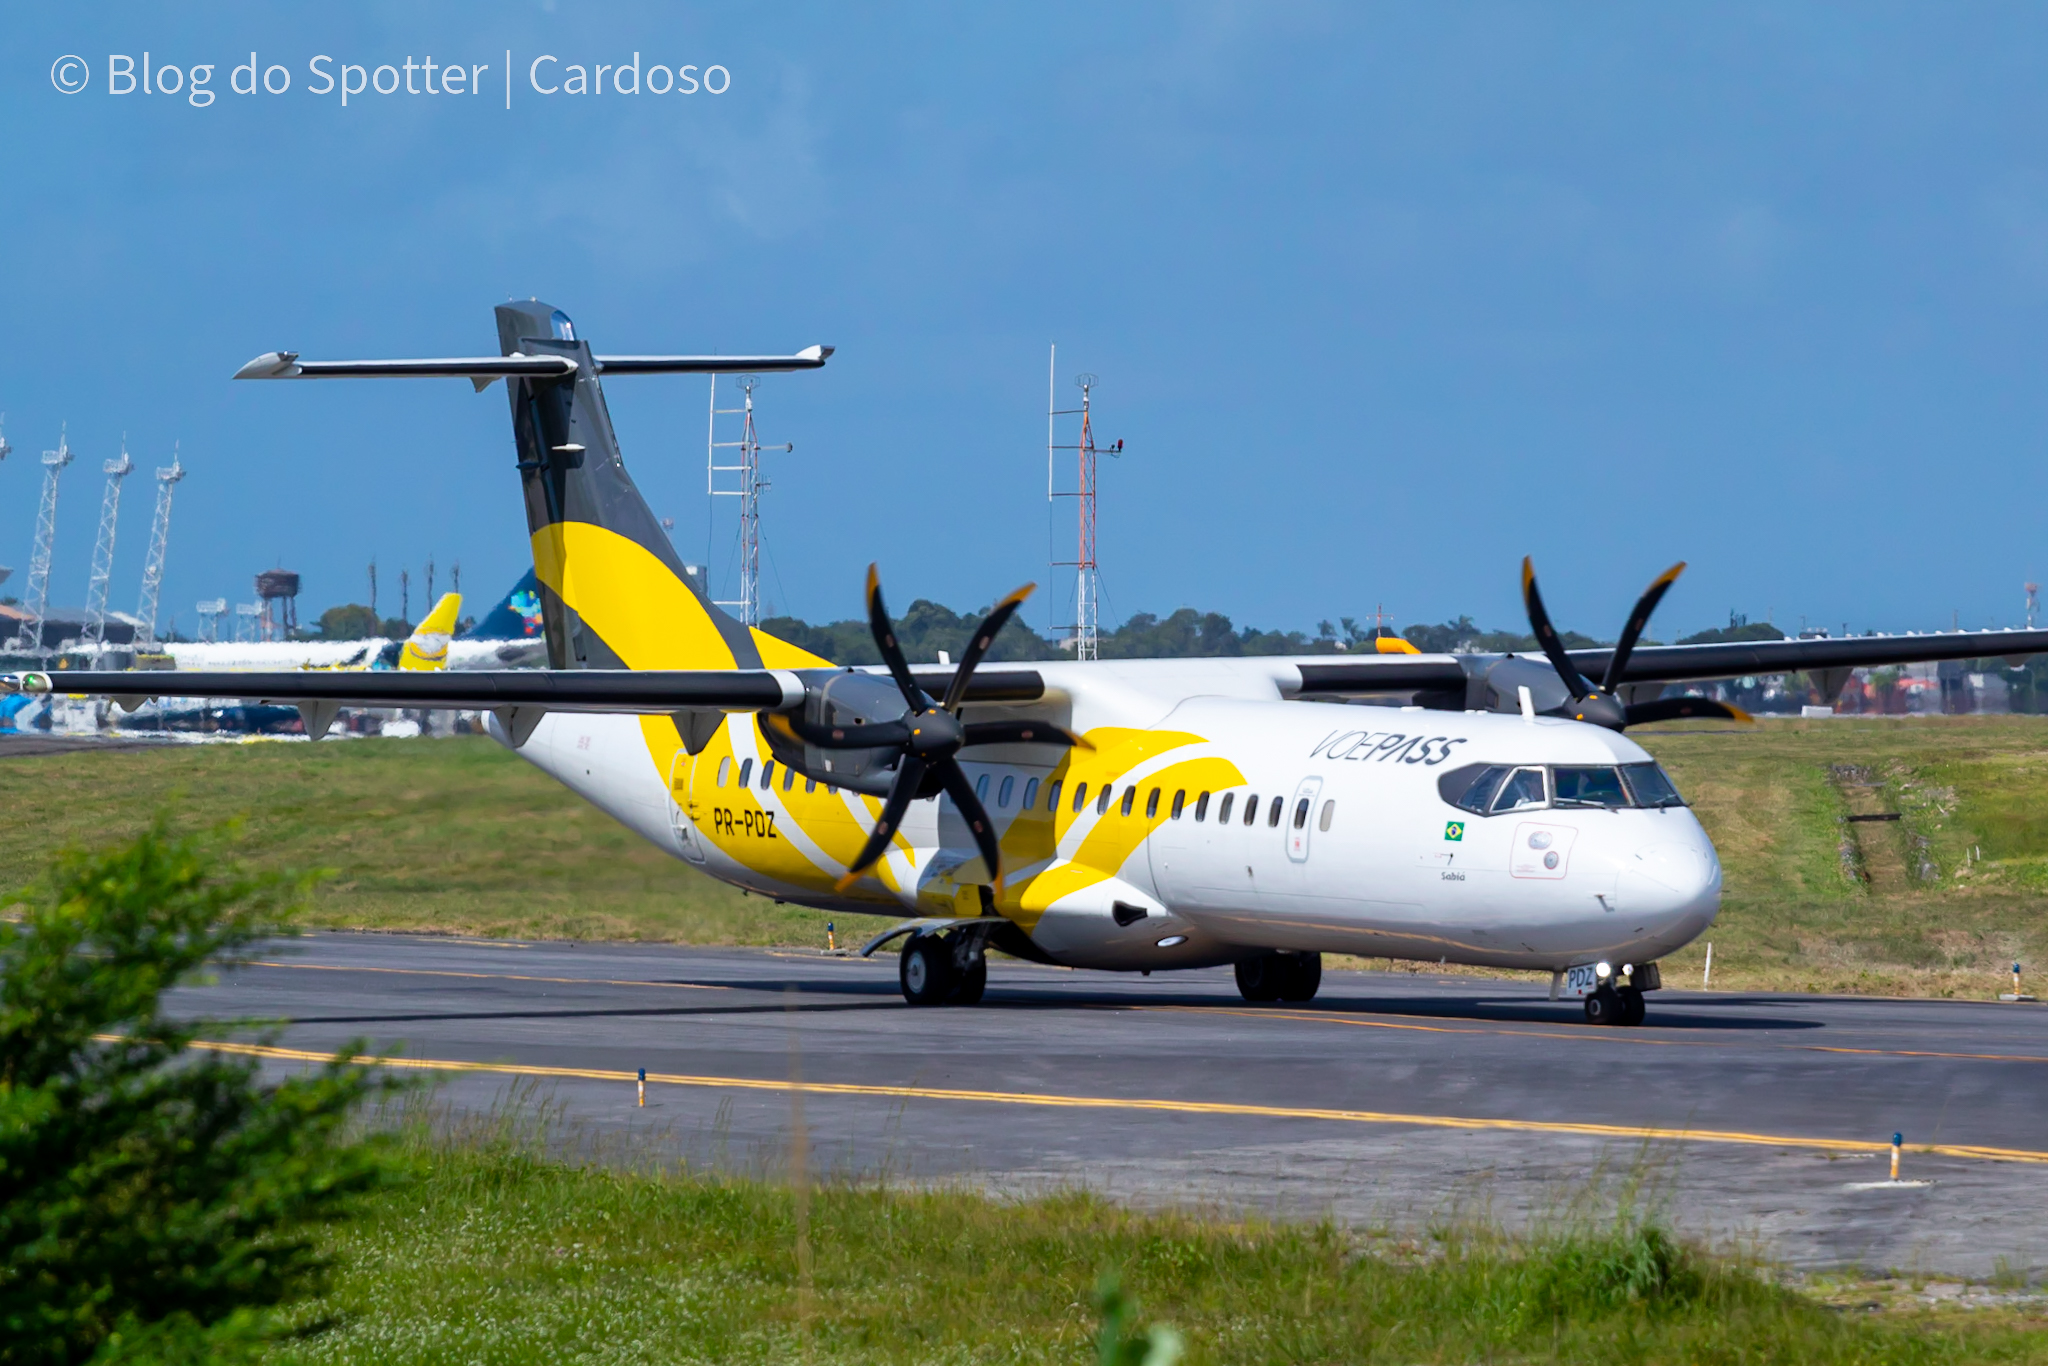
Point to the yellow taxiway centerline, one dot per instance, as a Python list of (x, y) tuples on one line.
[(1578, 1036), (490, 976), (1179, 1107)]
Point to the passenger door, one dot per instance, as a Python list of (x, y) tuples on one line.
[(678, 799)]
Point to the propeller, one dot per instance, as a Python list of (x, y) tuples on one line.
[(1596, 702), (928, 735)]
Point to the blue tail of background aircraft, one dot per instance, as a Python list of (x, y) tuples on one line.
[(516, 617)]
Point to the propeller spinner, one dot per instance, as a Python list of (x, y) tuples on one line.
[(927, 736), (1596, 702)]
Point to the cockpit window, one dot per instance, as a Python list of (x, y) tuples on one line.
[(1589, 787), (1651, 786), (564, 329), (1472, 787), (1522, 790)]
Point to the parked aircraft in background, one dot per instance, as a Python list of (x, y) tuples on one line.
[(1130, 815)]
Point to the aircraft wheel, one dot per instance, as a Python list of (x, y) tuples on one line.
[(1604, 1007), (1260, 979), (1303, 976), (971, 983), (925, 970), (1633, 1007)]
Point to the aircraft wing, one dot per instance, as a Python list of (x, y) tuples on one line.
[(585, 690), (652, 691), (1681, 663)]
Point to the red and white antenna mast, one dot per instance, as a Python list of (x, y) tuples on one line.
[(1084, 629)]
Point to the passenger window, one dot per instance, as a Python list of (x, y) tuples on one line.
[(1030, 794), (746, 772), (1301, 813), (724, 769), (1052, 796), (1080, 796), (1131, 795), (810, 786), (788, 777), (1223, 811), (1522, 790), (1180, 797), (1329, 810), (1152, 804), (1273, 815), (1004, 793), (1102, 801), (1202, 807), (981, 787), (767, 775), (1251, 808)]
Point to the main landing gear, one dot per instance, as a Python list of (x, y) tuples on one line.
[(943, 969), (1610, 1005), (1280, 976)]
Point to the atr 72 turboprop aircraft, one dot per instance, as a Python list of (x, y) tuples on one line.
[(1135, 815)]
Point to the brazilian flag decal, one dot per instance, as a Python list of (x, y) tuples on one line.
[(1454, 830)]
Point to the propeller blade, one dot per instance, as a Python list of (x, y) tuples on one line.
[(1637, 620), (909, 777), (1546, 634), (962, 793), (1673, 708), (874, 736), (885, 641), (984, 636), (1022, 733)]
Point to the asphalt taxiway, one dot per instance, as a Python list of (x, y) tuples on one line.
[(1394, 1098)]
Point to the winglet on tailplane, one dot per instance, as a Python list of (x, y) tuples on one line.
[(614, 594)]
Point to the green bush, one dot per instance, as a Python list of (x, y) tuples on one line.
[(154, 1202)]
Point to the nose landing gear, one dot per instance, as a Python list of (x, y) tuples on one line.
[(1610, 1005)]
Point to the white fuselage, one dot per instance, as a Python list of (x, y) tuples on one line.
[(1376, 863)]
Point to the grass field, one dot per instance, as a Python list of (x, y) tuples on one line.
[(493, 1253), (459, 836)]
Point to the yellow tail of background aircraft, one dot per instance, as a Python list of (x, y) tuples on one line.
[(427, 647), (1130, 815)]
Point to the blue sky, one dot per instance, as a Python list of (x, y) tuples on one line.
[(1381, 297)]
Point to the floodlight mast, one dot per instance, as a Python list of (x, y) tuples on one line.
[(30, 641), (95, 634), (167, 478)]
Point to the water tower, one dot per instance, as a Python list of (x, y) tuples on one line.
[(279, 591)]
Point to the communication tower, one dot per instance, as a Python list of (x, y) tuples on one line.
[(1084, 629), (30, 641), (211, 610), (103, 551), (430, 583), (167, 478), (2033, 604), (744, 482), (248, 621), (278, 591)]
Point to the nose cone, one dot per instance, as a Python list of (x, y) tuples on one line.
[(1676, 885)]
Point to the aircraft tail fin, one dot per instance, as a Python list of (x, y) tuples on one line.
[(613, 593), (428, 646)]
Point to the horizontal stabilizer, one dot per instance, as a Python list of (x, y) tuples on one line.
[(483, 370)]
